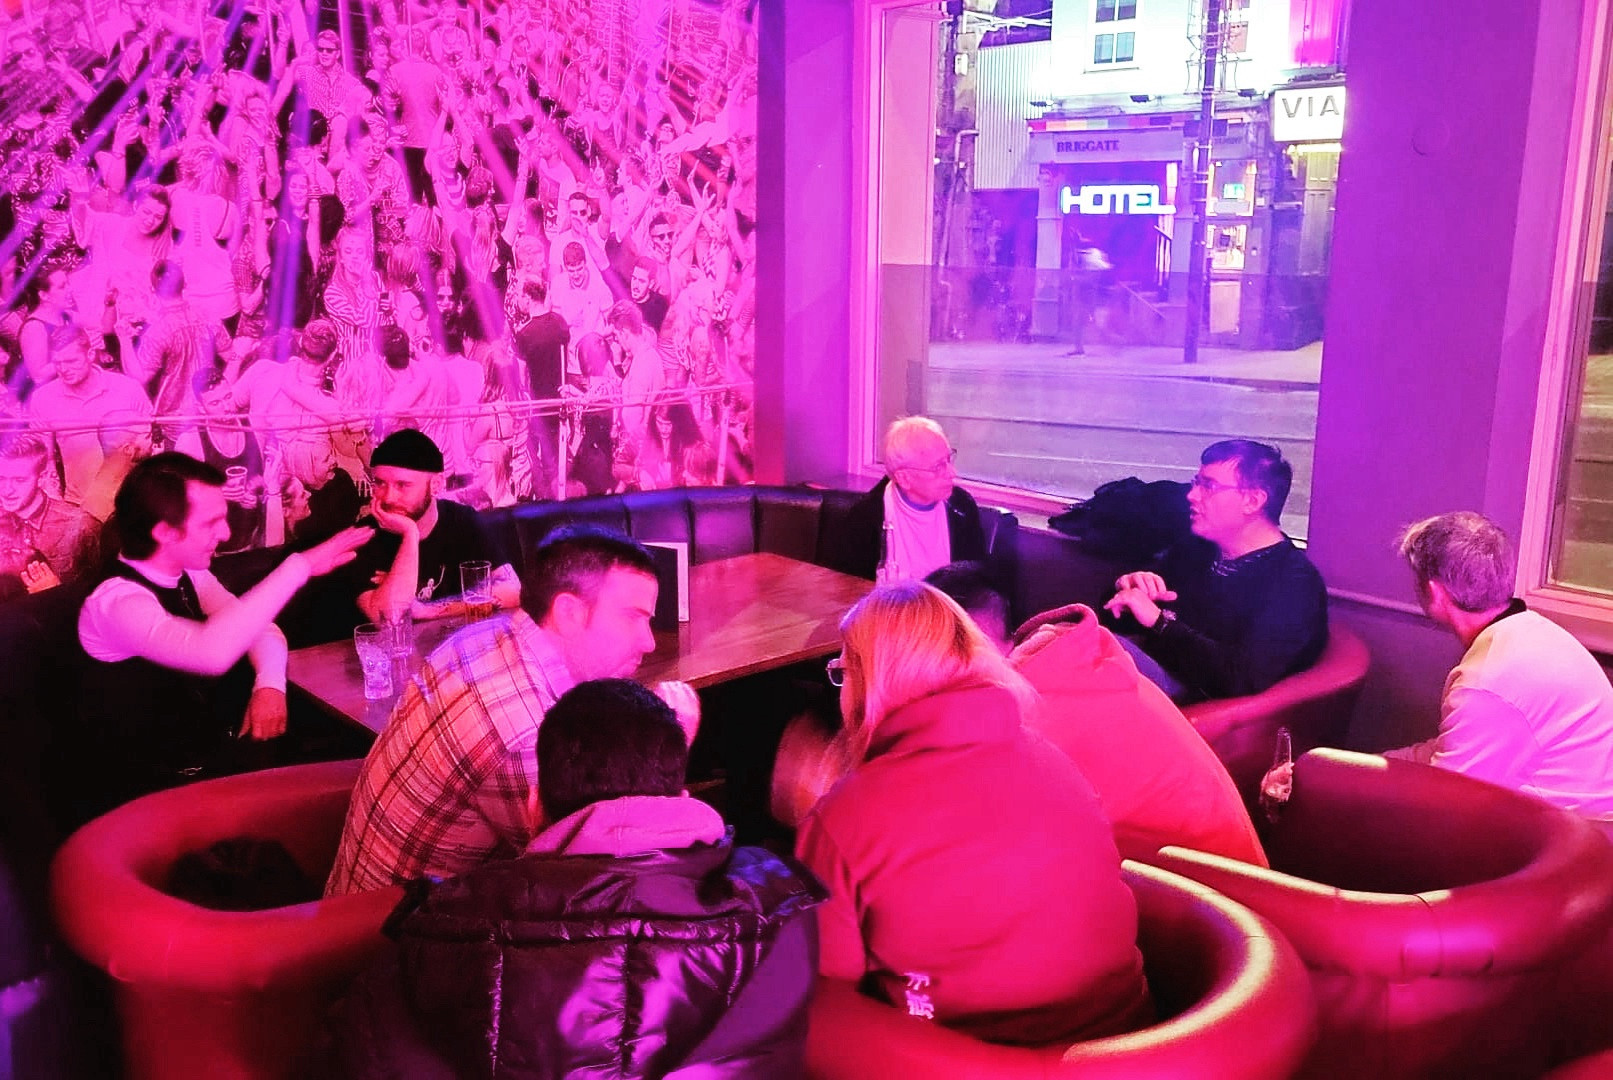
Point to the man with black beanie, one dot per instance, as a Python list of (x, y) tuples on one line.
[(412, 563)]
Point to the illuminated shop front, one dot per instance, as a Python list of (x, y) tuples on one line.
[(1120, 184)]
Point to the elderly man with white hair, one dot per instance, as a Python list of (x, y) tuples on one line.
[(916, 519), (1528, 707)]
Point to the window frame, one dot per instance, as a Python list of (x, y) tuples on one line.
[(1112, 28), (1586, 191)]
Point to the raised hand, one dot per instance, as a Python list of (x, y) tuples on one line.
[(337, 551)]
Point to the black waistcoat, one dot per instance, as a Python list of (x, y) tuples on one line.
[(154, 726)]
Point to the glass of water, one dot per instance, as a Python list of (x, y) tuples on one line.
[(374, 645)]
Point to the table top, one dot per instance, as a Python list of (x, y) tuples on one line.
[(748, 614)]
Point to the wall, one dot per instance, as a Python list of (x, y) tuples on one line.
[(1449, 190), (269, 241)]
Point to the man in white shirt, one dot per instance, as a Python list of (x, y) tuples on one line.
[(164, 680), (68, 409), (579, 296), (916, 520), (1528, 707)]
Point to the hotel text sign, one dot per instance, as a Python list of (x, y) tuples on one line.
[(1114, 199), (1311, 114)]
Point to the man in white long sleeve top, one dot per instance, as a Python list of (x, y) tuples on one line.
[(1528, 707), (177, 668)]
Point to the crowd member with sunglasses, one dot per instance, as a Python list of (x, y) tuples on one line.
[(1237, 606)]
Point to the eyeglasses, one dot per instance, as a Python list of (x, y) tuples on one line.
[(836, 670), (1208, 486), (946, 464)]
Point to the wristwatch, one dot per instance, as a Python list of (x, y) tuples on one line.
[(1166, 617)]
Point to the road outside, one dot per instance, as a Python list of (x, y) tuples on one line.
[(1031, 416)]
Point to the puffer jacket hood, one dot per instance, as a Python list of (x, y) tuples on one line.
[(591, 965)]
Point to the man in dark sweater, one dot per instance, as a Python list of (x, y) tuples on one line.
[(1237, 607)]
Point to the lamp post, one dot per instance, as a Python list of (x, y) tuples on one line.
[(1198, 268)]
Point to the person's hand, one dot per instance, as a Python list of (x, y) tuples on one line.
[(1278, 783), (337, 551), (400, 524), (1137, 602), (37, 576), (274, 464), (1069, 613), (265, 715), (1151, 585), (126, 130), (683, 700)]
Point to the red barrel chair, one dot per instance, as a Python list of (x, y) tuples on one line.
[(1232, 996), (1314, 705), (213, 993), (1436, 914)]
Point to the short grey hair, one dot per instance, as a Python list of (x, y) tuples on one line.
[(904, 434), (1465, 552)]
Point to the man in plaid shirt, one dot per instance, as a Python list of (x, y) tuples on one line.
[(452, 781)]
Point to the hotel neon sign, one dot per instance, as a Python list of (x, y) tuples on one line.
[(1114, 199)]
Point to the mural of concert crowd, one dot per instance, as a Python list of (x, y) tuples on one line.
[(268, 234)]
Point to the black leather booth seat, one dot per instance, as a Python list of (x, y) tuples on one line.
[(719, 523)]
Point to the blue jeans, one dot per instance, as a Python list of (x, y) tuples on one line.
[(1150, 669)]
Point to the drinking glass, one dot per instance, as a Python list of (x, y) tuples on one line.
[(399, 629), (375, 658), (1275, 792), (476, 588)]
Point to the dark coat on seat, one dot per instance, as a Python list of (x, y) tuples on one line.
[(554, 966)]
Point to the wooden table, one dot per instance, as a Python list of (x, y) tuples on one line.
[(748, 614)]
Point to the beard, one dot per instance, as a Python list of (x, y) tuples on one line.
[(414, 512)]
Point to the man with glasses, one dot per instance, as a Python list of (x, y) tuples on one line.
[(916, 519), (1236, 607)]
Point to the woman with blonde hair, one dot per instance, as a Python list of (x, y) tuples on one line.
[(973, 879)]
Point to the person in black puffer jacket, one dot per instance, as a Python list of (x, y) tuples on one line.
[(632, 940)]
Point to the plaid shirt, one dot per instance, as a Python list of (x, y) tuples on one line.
[(449, 783)]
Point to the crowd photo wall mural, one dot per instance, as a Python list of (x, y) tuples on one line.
[(267, 233)]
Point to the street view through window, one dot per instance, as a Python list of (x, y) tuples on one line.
[(1076, 309), (1583, 548)]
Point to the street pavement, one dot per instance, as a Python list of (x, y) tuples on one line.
[(1031, 416)]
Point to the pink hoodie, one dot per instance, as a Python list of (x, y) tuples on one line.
[(1158, 780)]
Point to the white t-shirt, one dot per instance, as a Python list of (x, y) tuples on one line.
[(916, 541), (1530, 709)]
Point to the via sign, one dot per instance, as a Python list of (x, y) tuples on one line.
[(1310, 114), (1113, 199)]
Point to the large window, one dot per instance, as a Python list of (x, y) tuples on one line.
[(1579, 546), (1053, 287)]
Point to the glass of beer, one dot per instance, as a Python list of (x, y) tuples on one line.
[(476, 589)]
